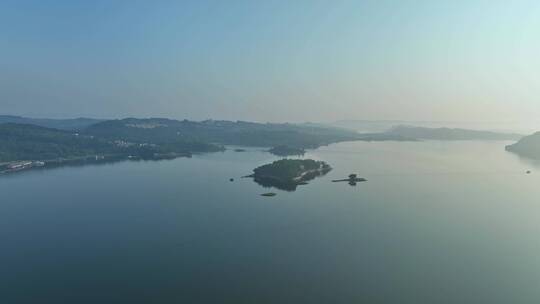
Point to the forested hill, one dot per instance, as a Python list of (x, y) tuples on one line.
[(62, 124), (222, 132), (528, 146), (30, 142), (157, 137)]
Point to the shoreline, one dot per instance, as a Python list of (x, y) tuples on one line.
[(33, 165)]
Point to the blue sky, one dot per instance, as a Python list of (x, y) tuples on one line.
[(272, 60)]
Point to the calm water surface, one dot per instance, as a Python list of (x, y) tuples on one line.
[(438, 222)]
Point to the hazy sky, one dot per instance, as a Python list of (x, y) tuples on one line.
[(272, 60)]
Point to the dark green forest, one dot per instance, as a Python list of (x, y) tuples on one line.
[(33, 139)]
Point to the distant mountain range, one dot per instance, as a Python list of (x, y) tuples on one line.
[(61, 124), (159, 130), (449, 134), (73, 139), (47, 139), (378, 126)]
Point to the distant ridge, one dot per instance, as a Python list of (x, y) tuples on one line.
[(152, 138), (74, 124), (449, 133), (375, 126), (159, 130)]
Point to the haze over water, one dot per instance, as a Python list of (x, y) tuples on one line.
[(437, 222), (277, 61)]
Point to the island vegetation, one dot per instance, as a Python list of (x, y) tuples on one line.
[(285, 150), (288, 174)]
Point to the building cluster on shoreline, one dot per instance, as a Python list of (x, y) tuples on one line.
[(21, 165)]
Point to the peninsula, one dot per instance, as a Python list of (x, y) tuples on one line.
[(528, 146)]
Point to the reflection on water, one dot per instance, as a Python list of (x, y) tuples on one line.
[(272, 183), (530, 161), (93, 161), (438, 222), (290, 186)]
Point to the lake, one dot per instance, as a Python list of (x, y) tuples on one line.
[(437, 222)]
